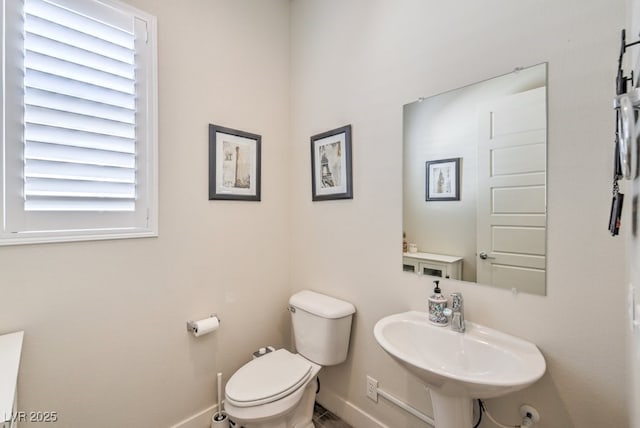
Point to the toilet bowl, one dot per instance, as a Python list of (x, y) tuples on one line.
[(273, 391), (278, 389)]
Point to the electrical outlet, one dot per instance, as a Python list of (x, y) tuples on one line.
[(372, 388)]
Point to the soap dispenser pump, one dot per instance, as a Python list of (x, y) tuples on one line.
[(437, 305)]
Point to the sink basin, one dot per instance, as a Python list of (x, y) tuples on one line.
[(479, 363)]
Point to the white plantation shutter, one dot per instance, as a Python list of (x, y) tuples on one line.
[(87, 152), (79, 112)]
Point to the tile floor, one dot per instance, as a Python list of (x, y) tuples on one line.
[(322, 418)]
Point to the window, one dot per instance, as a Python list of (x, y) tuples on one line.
[(79, 158)]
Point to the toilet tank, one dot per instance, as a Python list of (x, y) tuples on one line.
[(321, 327)]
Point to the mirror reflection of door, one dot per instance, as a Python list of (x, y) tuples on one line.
[(511, 217)]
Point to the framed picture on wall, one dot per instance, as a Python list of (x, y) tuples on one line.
[(234, 164), (443, 180), (331, 176)]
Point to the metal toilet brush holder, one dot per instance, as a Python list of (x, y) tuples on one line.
[(220, 419)]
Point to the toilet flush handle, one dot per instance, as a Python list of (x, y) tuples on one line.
[(292, 309)]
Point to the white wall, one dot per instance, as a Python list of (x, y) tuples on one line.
[(358, 62), (106, 343)]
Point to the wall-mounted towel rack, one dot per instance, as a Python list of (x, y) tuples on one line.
[(626, 102)]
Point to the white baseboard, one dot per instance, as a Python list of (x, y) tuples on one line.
[(348, 411), (201, 419)]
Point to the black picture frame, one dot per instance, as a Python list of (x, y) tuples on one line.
[(442, 180), (234, 164), (331, 169)]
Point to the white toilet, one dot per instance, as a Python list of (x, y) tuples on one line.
[(278, 390)]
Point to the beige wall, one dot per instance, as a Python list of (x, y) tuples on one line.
[(105, 342), (358, 62)]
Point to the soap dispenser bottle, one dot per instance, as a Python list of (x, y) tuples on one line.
[(437, 305)]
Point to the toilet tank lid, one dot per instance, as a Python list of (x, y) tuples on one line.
[(321, 304)]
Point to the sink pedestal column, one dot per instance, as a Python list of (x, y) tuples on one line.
[(451, 412)]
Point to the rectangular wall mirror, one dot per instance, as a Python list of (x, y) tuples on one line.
[(475, 182)]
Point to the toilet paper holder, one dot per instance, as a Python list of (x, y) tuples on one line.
[(192, 327)]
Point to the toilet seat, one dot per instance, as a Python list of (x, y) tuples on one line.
[(268, 379)]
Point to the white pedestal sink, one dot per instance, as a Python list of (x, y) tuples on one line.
[(459, 367)]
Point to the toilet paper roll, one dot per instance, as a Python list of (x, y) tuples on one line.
[(205, 326)]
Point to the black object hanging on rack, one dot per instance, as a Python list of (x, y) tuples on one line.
[(621, 88), (618, 198)]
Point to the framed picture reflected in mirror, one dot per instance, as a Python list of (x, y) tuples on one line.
[(443, 180)]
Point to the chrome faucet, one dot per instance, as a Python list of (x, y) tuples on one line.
[(456, 312)]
